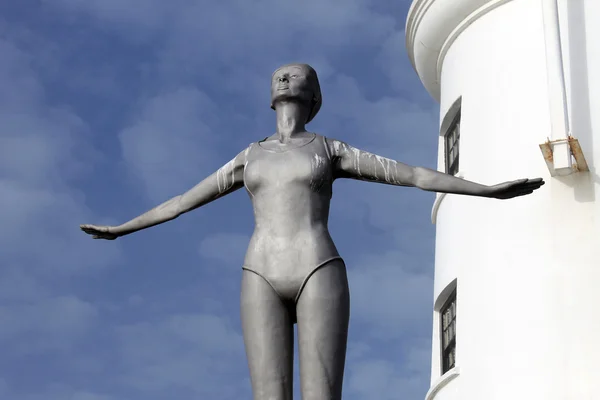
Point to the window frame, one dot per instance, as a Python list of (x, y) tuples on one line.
[(447, 349), (452, 144)]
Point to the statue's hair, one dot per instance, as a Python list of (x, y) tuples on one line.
[(317, 99)]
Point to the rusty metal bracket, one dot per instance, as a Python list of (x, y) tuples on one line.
[(576, 163)]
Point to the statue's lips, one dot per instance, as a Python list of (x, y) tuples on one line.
[(283, 88)]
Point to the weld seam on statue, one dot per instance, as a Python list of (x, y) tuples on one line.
[(292, 272)]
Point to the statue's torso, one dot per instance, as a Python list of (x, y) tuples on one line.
[(291, 193)]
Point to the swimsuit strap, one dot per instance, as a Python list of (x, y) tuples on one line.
[(326, 146), (247, 152)]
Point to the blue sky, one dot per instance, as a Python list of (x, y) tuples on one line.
[(109, 107)]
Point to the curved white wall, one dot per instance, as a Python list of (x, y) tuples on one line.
[(527, 269)]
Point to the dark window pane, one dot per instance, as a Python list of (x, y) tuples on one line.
[(448, 333), (452, 140)]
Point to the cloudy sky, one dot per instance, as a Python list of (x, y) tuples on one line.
[(109, 107)]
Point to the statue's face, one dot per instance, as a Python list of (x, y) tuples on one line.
[(291, 82)]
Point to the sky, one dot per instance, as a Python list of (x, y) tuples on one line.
[(110, 107)]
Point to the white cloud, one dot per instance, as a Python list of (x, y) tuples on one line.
[(90, 396), (226, 248), (330, 21), (43, 150), (387, 124), (238, 41), (19, 285), (169, 146), (357, 351), (135, 300), (191, 353), (3, 387), (389, 300), (48, 324), (45, 154), (140, 14), (383, 379), (59, 392), (396, 372)]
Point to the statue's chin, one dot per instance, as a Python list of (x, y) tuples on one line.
[(287, 96)]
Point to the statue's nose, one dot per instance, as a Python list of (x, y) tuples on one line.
[(282, 79)]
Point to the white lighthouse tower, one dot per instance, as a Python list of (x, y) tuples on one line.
[(517, 282)]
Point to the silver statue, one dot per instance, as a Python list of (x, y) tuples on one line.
[(293, 272)]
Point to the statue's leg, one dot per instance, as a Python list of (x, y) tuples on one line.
[(323, 312), (269, 339)]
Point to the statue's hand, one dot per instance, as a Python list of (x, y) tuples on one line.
[(521, 187), (100, 232)]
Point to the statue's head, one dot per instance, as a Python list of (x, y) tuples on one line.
[(298, 82)]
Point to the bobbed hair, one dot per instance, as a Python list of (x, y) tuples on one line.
[(317, 99)]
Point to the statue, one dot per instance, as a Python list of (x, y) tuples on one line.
[(293, 272)]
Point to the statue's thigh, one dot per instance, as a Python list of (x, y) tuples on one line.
[(323, 312), (268, 337)]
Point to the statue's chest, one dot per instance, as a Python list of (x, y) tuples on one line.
[(301, 166)]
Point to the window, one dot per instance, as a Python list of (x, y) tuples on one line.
[(448, 323), (452, 140)]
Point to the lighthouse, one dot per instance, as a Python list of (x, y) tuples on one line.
[(517, 283)]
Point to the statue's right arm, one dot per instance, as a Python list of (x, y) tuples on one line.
[(227, 179)]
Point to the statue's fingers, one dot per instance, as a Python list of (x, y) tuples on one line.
[(91, 229), (528, 185), (515, 192), (537, 180), (528, 182), (525, 189), (533, 185)]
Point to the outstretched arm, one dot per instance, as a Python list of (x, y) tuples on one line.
[(358, 164), (227, 179)]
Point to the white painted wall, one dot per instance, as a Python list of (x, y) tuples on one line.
[(527, 269)]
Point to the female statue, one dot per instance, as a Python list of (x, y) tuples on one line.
[(292, 272)]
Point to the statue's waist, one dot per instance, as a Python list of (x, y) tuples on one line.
[(302, 248)]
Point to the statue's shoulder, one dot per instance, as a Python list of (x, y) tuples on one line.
[(256, 143), (326, 139), (333, 145), (330, 139), (260, 140)]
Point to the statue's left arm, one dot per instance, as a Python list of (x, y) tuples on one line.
[(354, 163)]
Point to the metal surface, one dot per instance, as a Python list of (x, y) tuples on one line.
[(574, 151)]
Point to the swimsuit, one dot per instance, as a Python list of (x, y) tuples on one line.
[(295, 186)]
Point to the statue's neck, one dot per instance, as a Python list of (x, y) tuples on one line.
[(291, 120)]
